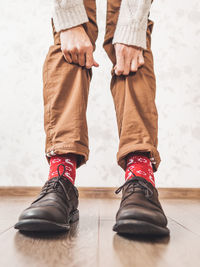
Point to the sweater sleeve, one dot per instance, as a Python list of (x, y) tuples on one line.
[(132, 23), (68, 13)]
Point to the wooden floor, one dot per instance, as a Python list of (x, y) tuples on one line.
[(91, 241)]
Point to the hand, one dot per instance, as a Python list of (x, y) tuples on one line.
[(77, 47), (129, 58)]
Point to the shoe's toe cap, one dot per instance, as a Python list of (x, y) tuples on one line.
[(143, 214), (50, 213)]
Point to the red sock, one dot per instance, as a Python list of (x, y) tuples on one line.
[(141, 166), (69, 160)]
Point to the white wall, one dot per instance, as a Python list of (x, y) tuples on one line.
[(26, 35)]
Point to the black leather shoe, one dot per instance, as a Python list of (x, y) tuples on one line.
[(140, 211), (54, 209)]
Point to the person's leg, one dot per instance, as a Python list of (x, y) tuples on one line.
[(65, 91), (65, 94), (134, 99), (140, 211)]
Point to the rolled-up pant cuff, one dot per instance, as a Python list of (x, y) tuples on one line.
[(80, 150), (154, 154)]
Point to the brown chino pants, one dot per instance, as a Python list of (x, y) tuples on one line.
[(66, 89)]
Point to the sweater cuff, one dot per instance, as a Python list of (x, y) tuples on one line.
[(127, 34), (67, 18)]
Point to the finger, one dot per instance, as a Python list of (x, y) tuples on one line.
[(140, 60), (89, 59), (127, 64), (74, 56), (120, 64), (67, 57), (134, 65), (81, 59), (95, 64)]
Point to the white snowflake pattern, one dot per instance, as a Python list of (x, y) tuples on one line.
[(142, 160), (69, 162), (56, 160), (68, 168), (141, 172), (54, 173), (150, 171), (130, 161), (67, 174)]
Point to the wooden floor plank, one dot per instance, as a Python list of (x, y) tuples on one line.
[(10, 208), (116, 250), (78, 247), (181, 248), (92, 242), (184, 211)]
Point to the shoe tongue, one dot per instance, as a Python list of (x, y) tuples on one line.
[(58, 187), (66, 183), (137, 189), (56, 178), (137, 186), (52, 180)]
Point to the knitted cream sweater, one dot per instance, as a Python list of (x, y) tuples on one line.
[(131, 25)]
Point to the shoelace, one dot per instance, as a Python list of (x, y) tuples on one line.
[(52, 184), (135, 183)]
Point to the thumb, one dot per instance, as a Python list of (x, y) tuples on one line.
[(95, 64)]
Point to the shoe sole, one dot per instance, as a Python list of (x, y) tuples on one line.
[(132, 226), (41, 225)]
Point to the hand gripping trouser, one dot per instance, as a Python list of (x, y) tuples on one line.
[(66, 89)]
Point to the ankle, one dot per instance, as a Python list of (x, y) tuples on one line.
[(141, 166), (70, 162)]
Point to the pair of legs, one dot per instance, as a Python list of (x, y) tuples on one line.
[(66, 89)]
